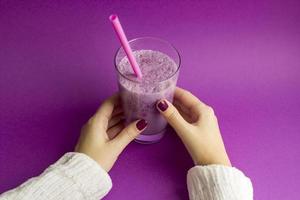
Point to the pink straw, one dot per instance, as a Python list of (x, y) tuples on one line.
[(124, 42)]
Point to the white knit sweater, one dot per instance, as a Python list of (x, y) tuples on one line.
[(75, 176)]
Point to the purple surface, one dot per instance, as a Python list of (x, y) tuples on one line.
[(241, 57)]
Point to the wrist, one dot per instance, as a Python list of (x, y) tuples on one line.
[(216, 161)]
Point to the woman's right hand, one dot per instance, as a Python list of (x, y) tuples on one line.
[(197, 126)]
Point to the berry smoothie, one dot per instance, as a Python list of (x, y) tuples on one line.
[(139, 97)]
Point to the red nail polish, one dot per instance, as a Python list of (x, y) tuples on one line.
[(141, 124), (163, 105)]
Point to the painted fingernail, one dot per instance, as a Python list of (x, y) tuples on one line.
[(163, 105), (141, 124)]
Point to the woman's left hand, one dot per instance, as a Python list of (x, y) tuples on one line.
[(105, 136)]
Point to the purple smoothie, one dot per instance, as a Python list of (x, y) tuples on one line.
[(139, 97)]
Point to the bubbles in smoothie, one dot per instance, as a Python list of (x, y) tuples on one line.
[(155, 66)]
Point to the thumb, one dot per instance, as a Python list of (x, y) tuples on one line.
[(173, 117), (129, 133)]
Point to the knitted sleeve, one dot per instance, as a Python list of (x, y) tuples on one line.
[(74, 176), (218, 183)]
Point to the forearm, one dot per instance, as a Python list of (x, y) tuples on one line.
[(218, 182), (74, 176)]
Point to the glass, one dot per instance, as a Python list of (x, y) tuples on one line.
[(139, 97)]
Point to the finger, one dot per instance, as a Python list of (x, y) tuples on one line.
[(109, 104), (172, 115), (114, 120), (104, 112), (113, 131), (129, 133), (180, 107), (117, 110), (187, 99), (191, 116)]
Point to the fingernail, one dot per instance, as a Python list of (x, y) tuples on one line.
[(163, 105), (141, 124)]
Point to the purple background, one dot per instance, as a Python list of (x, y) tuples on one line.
[(241, 57)]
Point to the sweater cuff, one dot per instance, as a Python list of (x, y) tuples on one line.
[(88, 178), (218, 182)]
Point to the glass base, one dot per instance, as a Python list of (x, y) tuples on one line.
[(150, 139)]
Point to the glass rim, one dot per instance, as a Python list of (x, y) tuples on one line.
[(155, 38)]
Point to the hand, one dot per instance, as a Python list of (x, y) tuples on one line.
[(105, 136), (197, 126)]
